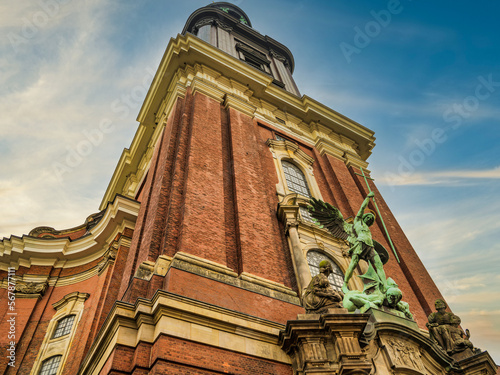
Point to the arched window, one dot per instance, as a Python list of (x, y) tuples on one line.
[(295, 179), (296, 182), (50, 366), (64, 326), (336, 278)]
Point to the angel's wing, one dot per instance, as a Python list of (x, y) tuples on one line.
[(330, 217)]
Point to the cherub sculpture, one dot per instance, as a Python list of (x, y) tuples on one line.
[(357, 234), (319, 296)]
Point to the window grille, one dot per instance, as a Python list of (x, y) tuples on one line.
[(305, 214), (295, 179), (336, 278), (50, 366), (64, 326)]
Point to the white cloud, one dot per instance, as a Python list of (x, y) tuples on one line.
[(440, 178), (61, 97)]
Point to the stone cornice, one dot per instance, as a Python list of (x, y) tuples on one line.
[(62, 252)]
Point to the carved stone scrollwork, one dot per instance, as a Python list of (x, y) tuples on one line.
[(327, 344), (279, 57), (337, 343), (223, 26), (201, 23), (31, 289), (108, 257), (49, 232), (291, 224)]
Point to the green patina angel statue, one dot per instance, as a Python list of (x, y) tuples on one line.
[(378, 292), (357, 234)]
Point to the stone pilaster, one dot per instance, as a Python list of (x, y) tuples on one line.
[(326, 344)]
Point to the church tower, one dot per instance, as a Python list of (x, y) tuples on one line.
[(204, 244)]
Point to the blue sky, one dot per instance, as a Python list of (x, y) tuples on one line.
[(425, 77)]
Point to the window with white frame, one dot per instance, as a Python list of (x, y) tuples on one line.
[(336, 278), (50, 365)]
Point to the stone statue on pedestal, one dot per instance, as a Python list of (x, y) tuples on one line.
[(439, 326), (444, 329), (459, 339), (319, 295)]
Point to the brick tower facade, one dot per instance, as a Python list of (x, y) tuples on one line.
[(203, 245)]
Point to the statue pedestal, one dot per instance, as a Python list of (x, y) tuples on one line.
[(326, 344), (462, 355), (386, 317), (376, 342), (480, 363)]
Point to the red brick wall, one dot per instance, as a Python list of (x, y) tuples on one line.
[(33, 316), (169, 355), (230, 297), (210, 192), (203, 229)]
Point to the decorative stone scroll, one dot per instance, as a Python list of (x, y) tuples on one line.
[(108, 257), (30, 289), (223, 26), (279, 57), (201, 23)]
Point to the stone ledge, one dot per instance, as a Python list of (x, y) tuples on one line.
[(223, 274), (176, 316)]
